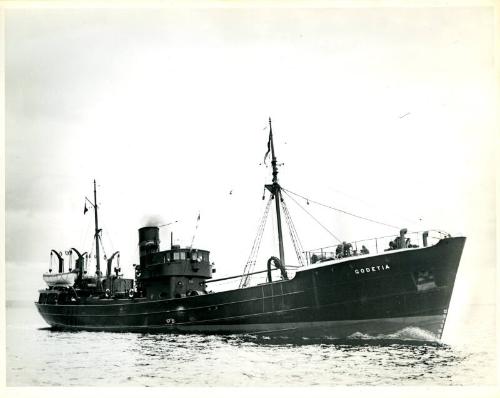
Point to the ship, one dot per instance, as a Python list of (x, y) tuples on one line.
[(375, 287)]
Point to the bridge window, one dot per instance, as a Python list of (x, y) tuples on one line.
[(179, 256), (199, 255)]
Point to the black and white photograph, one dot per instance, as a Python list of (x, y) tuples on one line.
[(250, 194)]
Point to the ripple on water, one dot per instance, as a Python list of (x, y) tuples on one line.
[(41, 357)]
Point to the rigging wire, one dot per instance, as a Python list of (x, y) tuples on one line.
[(292, 226), (252, 258), (83, 240), (314, 218), (91, 252), (195, 229), (102, 246), (366, 203), (339, 210), (297, 245), (108, 235)]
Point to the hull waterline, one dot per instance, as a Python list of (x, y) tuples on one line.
[(380, 294)]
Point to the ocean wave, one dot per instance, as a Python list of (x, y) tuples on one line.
[(406, 336), (410, 333)]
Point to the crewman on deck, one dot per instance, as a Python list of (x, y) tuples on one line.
[(339, 250), (347, 249), (397, 243)]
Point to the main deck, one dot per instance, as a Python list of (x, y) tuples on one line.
[(375, 293)]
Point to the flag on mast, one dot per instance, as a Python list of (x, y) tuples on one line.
[(268, 148), (85, 208)]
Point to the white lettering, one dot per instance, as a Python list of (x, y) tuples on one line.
[(373, 268)]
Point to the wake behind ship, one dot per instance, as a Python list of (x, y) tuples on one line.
[(376, 286)]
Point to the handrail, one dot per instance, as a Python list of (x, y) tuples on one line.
[(350, 249), (235, 276), (445, 234), (322, 251), (251, 273)]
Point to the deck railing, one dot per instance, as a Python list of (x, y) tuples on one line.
[(328, 253), (375, 245)]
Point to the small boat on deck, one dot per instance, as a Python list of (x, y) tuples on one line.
[(60, 278), (376, 286)]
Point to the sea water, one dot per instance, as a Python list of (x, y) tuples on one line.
[(38, 356)]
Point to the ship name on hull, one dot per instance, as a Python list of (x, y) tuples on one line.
[(375, 268)]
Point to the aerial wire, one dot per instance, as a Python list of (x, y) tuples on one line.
[(314, 218), (336, 209)]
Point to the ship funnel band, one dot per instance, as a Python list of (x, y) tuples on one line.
[(149, 240)]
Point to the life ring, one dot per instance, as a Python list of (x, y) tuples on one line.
[(107, 293), (131, 293)]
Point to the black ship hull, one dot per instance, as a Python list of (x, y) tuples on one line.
[(379, 294)]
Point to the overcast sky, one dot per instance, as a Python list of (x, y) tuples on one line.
[(384, 112)]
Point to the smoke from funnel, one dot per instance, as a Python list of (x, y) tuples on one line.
[(152, 221)]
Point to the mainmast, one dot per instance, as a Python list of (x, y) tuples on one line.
[(275, 189), (98, 263)]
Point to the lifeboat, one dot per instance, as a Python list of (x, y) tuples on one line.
[(60, 279)]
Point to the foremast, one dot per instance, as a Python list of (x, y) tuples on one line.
[(98, 262), (275, 190), (96, 237)]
